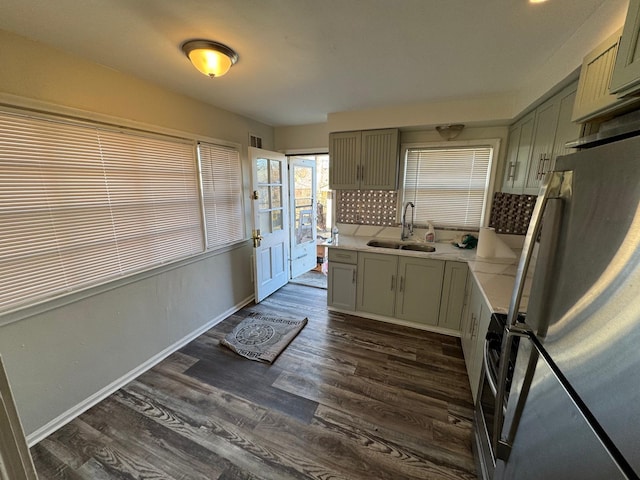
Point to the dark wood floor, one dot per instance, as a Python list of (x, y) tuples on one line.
[(348, 399)]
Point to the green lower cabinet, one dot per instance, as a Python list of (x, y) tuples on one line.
[(453, 293), (419, 290), (406, 288), (377, 278)]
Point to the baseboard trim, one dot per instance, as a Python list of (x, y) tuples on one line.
[(66, 417)]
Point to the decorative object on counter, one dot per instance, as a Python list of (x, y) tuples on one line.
[(262, 337), (335, 235), (366, 207), (487, 242), (466, 241), (511, 213), (449, 132)]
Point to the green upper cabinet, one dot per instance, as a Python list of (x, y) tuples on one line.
[(593, 99), (518, 154), (626, 73), (365, 159), (536, 140)]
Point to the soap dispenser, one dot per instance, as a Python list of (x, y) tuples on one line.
[(430, 236)]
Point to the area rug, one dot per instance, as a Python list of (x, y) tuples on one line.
[(263, 337)]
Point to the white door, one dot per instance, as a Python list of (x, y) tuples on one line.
[(270, 221), (302, 187)]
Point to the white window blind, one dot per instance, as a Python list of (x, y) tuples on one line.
[(222, 194), (448, 185), (81, 205)]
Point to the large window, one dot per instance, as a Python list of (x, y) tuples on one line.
[(222, 194), (448, 185), (82, 204)]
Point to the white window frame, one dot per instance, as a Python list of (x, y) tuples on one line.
[(494, 143)]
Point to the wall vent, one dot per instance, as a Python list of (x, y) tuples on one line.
[(255, 141)]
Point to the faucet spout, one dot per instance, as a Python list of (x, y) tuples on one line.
[(407, 228)]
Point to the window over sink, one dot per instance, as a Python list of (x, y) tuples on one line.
[(448, 184)]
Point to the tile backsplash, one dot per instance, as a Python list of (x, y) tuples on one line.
[(366, 207), (511, 213)]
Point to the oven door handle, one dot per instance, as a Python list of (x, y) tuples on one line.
[(493, 385)]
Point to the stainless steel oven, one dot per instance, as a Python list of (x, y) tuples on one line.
[(486, 399)]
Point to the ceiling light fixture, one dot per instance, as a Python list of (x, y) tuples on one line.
[(211, 58), (449, 132)]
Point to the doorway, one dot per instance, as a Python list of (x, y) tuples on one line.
[(310, 217)]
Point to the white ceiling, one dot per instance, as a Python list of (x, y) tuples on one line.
[(302, 59)]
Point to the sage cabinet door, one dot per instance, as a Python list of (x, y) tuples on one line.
[(518, 154), (341, 291), (474, 331), (377, 283), (344, 155), (453, 295), (379, 170), (419, 290), (365, 159), (545, 131), (593, 99), (626, 73)]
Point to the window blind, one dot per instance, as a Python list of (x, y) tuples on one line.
[(222, 194), (448, 185), (81, 205)]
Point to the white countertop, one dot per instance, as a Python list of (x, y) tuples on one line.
[(495, 276)]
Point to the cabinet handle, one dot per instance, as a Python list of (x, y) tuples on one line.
[(353, 279), (544, 162), (393, 282), (361, 172), (401, 283), (540, 166), (512, 171), (357, 172)]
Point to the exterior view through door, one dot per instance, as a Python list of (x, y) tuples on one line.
[(270, 234), (302, 185)]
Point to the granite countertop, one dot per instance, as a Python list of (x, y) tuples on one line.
[(495, 276)]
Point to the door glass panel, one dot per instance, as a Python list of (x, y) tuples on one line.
[(261, 169), (276, 220), (265, 222), (263, 198), (275, 172), (276, 197), (303, 225)]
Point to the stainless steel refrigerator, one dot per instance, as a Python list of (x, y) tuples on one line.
[(573, 408)]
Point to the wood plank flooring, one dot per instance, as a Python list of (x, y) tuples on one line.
[(348, 399)]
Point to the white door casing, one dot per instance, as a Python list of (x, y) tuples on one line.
[(269, 194), (15, 459), (302, 187)]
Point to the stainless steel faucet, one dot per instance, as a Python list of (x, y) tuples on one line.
[(407, 229)]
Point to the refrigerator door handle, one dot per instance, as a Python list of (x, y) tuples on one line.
[(503, 444), (556, 185)]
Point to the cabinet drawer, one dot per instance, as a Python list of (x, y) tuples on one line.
[(343, 256)]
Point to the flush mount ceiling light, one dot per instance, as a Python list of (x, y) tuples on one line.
[(211, 58), (449, 132)]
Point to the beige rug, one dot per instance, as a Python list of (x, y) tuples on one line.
[(263, 337)]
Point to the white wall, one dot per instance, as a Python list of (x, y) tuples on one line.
[(61, 357)]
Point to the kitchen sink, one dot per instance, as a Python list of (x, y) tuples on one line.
[(382, 244), (416, 247)]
